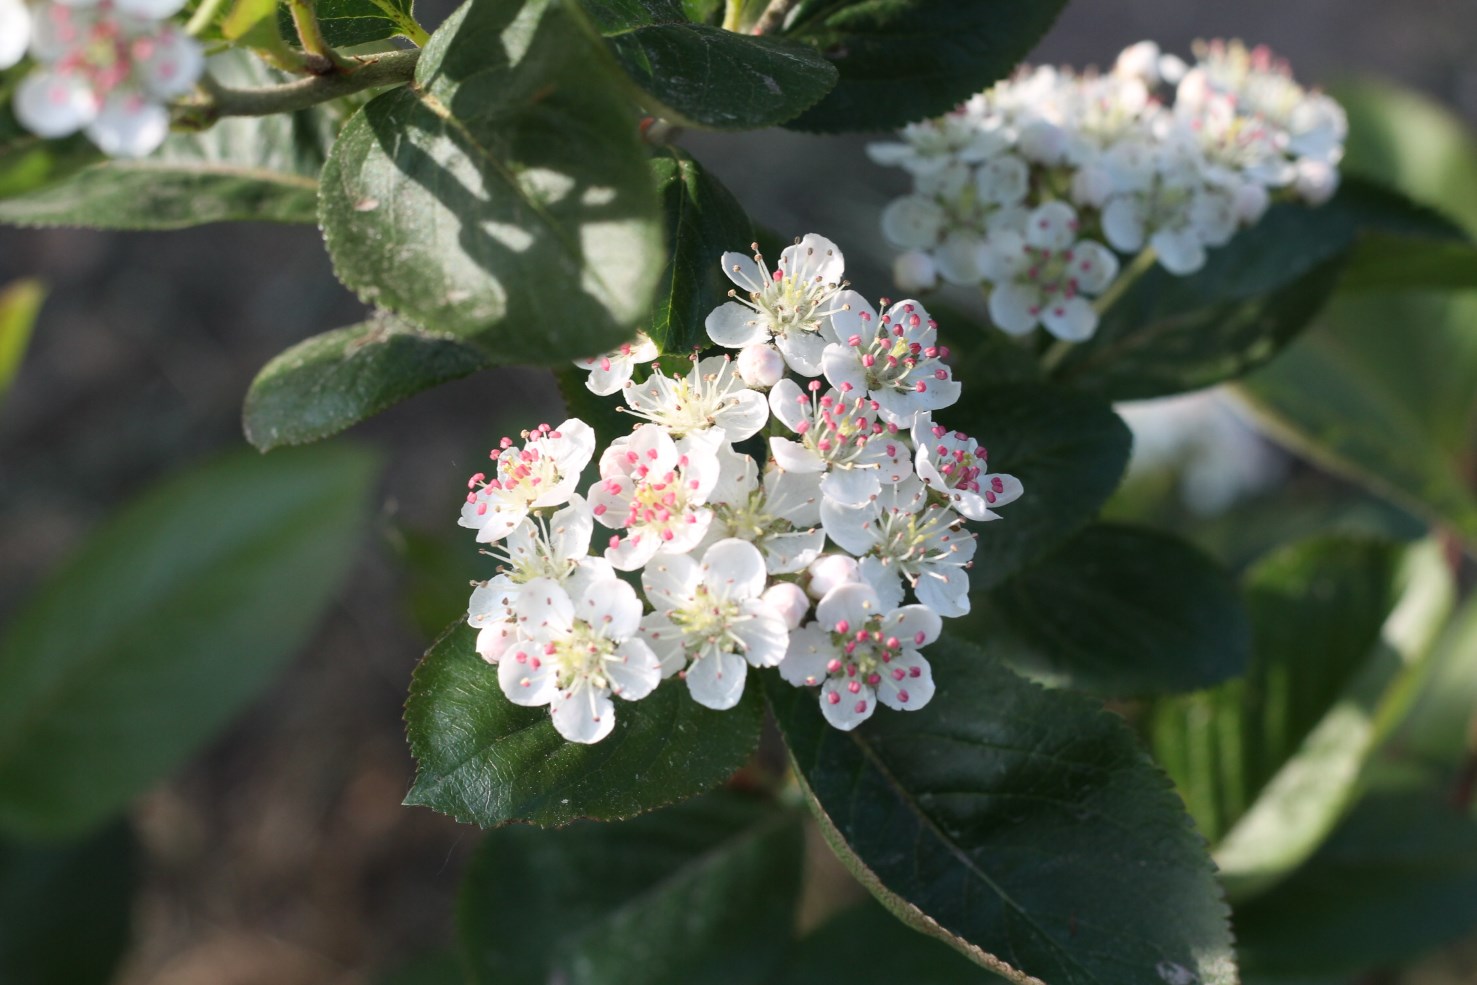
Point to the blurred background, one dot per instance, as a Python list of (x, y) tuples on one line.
[(282, 854)]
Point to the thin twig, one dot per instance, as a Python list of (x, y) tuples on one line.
[(356, 75), (774, 16)]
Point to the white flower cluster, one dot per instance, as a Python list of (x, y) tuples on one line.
[(801, 556), (106, 67), (1022, 186)]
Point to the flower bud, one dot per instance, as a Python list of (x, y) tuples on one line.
[(1043, 142), (1139, 61), (761, 365), (1092, 185), (1316, 180), (829, 571), (788, 602), (914, 271)]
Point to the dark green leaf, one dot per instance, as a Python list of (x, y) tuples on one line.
[(980, 353), (173, 616), (1404, 246), (1169, 334), (703, 222), (904, 60), (335, 380), (598, 412), (1437, 728), (1397, 878), (347, 23), (241, 169), (20, 303), (1068, 449), (504, 198), (705, 76), (67, 909), (1385, 393), (1268, 763), (431, 969), (1118, 611), (703, 892), (894, 954), (1023, 826), (488, 761), (439, 572), (28, 162)]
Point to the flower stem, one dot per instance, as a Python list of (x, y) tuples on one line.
[(203, 17), (733, 15), (321, 58), (1139, 266), (774, 15), (354, 75)]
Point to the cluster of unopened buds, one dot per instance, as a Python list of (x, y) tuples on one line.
[(777, 505), (108, 68), (1024, 188)]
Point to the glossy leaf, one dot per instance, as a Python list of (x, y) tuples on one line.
[(241, 169), (169, 620), (702, 892), (347, 23), (484, 760), (1398, 878), (1118, 611), (503, 199), (893, 953), (904, 60), (67, 909), (1405, 246), (705, 76), (20, 303), (333, 381), (703, 222), (1068, 449), (1021, 825), (1268, 764)]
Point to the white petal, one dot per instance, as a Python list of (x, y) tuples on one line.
[(913, 222), (573, 448), (733, 326), (607, 375), (1179, 251), (802, 351), (1052, 226), (15, 32), (848, 606), (796, 496), (913, 625), (611, 608), (129, 125), (738, 477), (842, 365), (744, 416), (583, 714), (843, 708), (788, 554), (154, 10), (54, 104), (524, 677), (1070, 321), (1000, 489), (744, 272), (907, 682), (1123, 223), (635, 671), (671, 581), (806, 657), (1003, 180), (493, 641), (795, 457), (813, 260), (960, 258), (851, 527), (570, 530), (490, 601), (850, 486), (764, 635), (734, 569), (716, 680), (789, 403), (667, 642), (544, 609), (944, 589), (1015, 307), (885, 580), (174, 60)]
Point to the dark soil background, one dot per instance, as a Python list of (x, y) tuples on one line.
[(282, 854)]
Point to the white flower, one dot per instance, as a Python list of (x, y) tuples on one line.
[(831, 571), (108, 69), (1045, 275), (611, 371), (15, 31), (541, 473), (840, 436), (789, 602), (710, 618), (710, 395), (557, 549), (901, 540), (861, 652), (792, 305), (572, 652), (895, 360), (915, 270), (781, 516), (656, 490), (761, 365), (929, 147), (953, 464)]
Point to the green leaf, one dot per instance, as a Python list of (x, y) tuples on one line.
[(67, 909), (1385, 394), (704, 76), (1398, 878), (903, 60), (170, 619), (28, 162), (438, 573), (249, 16), (504, 198), (1118, 611), (347, 23), (1437, 727), (20, 303), (333, 381), (894, 953), (703, 892), (1404, 246), (703, 222), (484, 760), (1268, 764), (1169, 334), (241, 169), (1068, 449), (1021, 825), (430, 969)]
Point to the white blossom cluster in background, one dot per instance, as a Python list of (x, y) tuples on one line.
[(833, 551), (104, 67), (1025, 187)]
